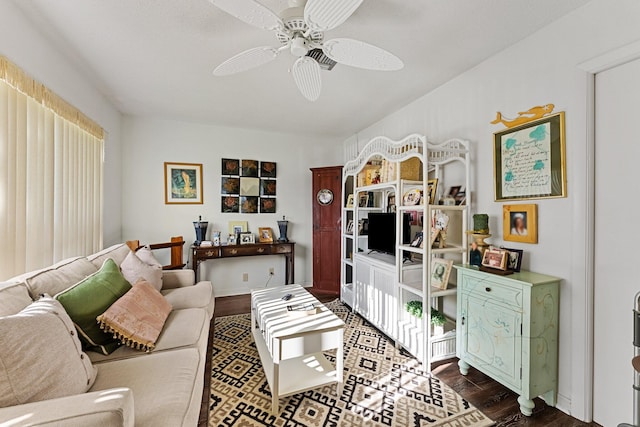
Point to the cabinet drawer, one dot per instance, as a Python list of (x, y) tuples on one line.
[(213, 252), (281, 249), (239, 250), (488, 289)]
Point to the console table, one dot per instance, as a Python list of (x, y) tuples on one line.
[(203, 253)]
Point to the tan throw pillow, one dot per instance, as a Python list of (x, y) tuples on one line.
[(134, 269), (137, 318), (40, 355)]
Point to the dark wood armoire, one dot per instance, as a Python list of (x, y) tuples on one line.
[(327, 217)]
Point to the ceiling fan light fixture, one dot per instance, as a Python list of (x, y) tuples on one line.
[(299, 46)]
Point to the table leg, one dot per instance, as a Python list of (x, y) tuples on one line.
[(339, 365), (274, 391)]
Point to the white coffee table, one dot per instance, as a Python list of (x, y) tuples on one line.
[(293, 346)]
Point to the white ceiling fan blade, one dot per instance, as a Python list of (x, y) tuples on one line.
[(306, 74), (251, 12), (362, 55), (323, 15), (246, 60)]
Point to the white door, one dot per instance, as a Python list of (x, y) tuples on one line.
[(617, 239)]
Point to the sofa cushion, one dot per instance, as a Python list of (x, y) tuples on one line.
[(183, 328), (47, 361), (59, 277), (137, 317), (90, 298), (199, 295), (167, 386), (116, 252), (133, 269), (13, 298)]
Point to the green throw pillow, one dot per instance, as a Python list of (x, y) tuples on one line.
[(91, 297)]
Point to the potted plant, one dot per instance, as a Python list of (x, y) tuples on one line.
[(437, 318)]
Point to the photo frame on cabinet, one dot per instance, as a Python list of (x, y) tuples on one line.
[(520, 223), (529, 160), (363, 200), (247, 238), (265, 235), (495, 258), (182, 183), (349, 229), (236, 227), (514, 262), (440, 271)]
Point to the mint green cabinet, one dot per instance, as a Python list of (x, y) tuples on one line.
[(507, 328)]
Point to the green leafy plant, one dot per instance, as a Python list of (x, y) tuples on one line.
[(415, 309)]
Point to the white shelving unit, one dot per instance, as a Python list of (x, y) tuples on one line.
[(378, 286)]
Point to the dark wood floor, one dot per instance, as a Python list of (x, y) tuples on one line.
[(494, 400)]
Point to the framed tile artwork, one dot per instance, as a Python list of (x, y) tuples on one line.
[(248, 186)]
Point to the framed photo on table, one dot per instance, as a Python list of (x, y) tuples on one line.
[(514, 263), (247, 238), (529, 160), (182, 183), (495, 258), (265, 235)]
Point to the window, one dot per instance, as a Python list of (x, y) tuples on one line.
[(51, 159)]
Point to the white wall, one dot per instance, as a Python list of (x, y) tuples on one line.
[(23, 44), (539, 70), (148, 143)]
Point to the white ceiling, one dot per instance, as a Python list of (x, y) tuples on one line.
[(155, 57)]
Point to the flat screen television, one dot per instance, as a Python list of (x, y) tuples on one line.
[(382, 232)]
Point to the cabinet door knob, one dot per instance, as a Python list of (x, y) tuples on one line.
[(234, 251), (488, 289)]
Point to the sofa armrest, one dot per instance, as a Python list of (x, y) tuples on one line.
[(172, 279), (112, 407)]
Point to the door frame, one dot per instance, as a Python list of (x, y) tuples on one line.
[(583, 373)]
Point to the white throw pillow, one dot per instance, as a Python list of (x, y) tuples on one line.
[(14, 297), (40, 355), (134, 269), (145, 254)]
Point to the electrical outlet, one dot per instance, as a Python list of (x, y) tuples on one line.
[(271, 271), (245, 277)]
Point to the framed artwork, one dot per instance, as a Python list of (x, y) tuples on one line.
[(230, 204), (247, 238), (514, 262), (495, 258), (268, 187), (363, 200), (248, 204), (453, 191), (440, 271), (267, 205), (520, 223), (250, 168), (529, 160), (349, 201), (182, 183), (230, 167), (265, 235), (230, 186), (268, 169), (237, 227), (391, 203), (350, 227), (412, 195), (461, 196), (432, 187), (249, 186)]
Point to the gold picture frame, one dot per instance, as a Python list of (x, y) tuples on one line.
[(182, 183), (432, 187), (529, 161), (520, 223), (265, 235)]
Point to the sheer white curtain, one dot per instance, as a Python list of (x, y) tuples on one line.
[(51, 159)]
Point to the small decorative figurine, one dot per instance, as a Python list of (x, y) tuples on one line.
[(475, 255)]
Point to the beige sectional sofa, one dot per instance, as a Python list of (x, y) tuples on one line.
[(160, 388)]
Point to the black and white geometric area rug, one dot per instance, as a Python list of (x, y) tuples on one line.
[(382, 385)]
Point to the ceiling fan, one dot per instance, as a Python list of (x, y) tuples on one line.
[(300, 29)]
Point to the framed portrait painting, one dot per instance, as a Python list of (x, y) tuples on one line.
[(529, 160), (182, 183), (520, 223)]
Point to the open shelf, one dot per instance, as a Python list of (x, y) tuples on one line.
[(378, 187), (409, 248)]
